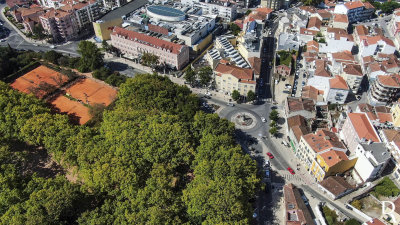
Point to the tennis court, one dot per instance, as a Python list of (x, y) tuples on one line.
[(92, 92), (40, 81), (73, 108)]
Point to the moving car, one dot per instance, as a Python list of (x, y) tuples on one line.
[(230, 104), (263, 119), (269, 154), (291, 171)]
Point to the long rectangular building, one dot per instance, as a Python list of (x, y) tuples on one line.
[(133, 44)]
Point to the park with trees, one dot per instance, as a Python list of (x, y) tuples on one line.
[(152, 158)]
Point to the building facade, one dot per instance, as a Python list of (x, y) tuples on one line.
[(229, 78), (134, 44), (384, 89), (60, 24)]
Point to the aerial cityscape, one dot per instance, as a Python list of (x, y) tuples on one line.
[(269, 112)]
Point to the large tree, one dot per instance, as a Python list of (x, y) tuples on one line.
[(205, 75), (235, 95), (190, 76), (91, 56), (251, 96)]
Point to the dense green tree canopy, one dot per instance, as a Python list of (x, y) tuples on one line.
[(91, 56), (153, 158)]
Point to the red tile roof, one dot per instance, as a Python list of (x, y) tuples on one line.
[(255, 63), (336, 185), (306, 31), (344, 56), (297, 104), (361, 30), (312, 46), (338, 83), (370, 40), (310, 92), (384, 117), (389, 80), (294, 204), (334, 157), (341, 18), (353, 5), (353, 69), (320, 68), (239, 73), (323, 140), (148, 40), (314, 22), (363, 127)]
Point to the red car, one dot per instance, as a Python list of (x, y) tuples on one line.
[(291, 171), (269, 154)]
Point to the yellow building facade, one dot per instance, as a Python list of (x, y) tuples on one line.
[(103, 29), (396, 115), (322, 167)]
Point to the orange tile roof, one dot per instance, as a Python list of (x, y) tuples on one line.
[(308, 9), (361, 30), (363, 127), (333, 157), (324, 13), (370, 40), (344, 56), (389, 80), (375, 66), (312, 46), (314, 22), (264, 10), (320, 68), (353, 70), (384, 117), (392, 135), (353, 5), (255, 63), (240, 73), (323, 140), (297, 104), (341, 18), (306, 31), (149, 40), (338, 83), (368, 5), (336, 30), (310, 92), (297, 120), (368, 59)]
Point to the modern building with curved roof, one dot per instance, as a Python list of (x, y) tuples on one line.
[(165, 13)]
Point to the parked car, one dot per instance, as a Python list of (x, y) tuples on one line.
[(230, 104), (291, 171), (269, 154), (263, 119), (267, 163)]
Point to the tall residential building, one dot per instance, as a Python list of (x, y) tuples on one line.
[(60, 24), (112, 4), (133, 44), (385, 88), (356, 129), (355, 11), (85, 12), (272, 4)]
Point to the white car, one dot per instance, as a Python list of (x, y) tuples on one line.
[(52, 46), (263, 119)]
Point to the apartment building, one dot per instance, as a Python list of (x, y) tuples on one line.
[(384, 89), (60, 24), (337, 91), (355, 11), (372, 159), (353, 75), (296, 127), (229, 78), (373, 45), (273, 4), (133, 44), (358, 128), (223, 9), (85, 12), (318, 143)]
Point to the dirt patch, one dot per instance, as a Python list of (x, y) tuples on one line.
[(371, 207), (37, 161)]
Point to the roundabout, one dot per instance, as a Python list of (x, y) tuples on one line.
[(244, 120)]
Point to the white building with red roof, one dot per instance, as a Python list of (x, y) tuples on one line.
[(358, 128), (133, 44), (373, 45), (229, 78), (337, 91), (353, 75), (356, 10)]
